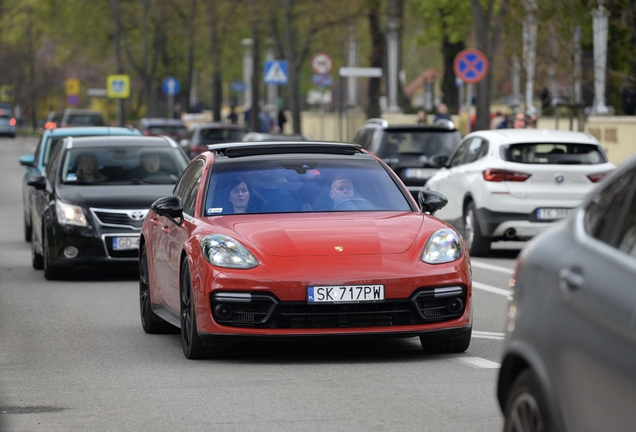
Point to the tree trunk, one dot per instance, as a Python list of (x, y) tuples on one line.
[(451, 93), (294, 69), (487, 40), (190, 61), (256, 81), (120, 68), (396, 10), (215, 56), (377, 56)]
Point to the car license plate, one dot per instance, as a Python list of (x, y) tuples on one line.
[(345, 294), (125, 243), (553, 213), (419, 173)]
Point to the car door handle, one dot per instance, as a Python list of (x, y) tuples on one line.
[(166, 229), (570, 279), (155, 221)]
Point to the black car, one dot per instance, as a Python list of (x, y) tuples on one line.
[(200, 135), (174, 128), (72, 117), (414, 152), (95, 194)]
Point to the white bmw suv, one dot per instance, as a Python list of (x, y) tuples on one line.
[(511, 184)]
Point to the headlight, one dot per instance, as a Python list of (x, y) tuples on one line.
[(223, 251), (68, 214), (443, 246)]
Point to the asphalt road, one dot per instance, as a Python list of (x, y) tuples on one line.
[(73, 356)]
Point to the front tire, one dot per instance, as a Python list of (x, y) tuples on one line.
[(526, 409), (150, 322), (447, 346), (478, 244), (191, 343), (50, 272)]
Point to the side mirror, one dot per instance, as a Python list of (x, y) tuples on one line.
[(431, 201), (38, 182), (27, 160), (170, 207), (438, 161)]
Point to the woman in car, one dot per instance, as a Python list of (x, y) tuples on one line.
[(88, 168)]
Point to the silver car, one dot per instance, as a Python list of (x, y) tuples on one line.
[(569, 361), (8, 123)]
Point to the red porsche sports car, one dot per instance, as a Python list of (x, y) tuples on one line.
[(299, 240)]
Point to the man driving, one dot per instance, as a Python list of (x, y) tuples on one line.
[(341, 190)]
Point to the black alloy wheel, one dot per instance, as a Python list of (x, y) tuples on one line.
[(478, 245), (37, 260), (50, 272), (150, 322), (525, 406), (445, 346), (191, 343)]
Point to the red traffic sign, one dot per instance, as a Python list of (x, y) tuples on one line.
[(321, 63), (470, 65)]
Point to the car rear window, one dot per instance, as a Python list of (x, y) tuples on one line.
[(84, 120), (303, 184), (555, 154), (167, 130), (210, 136), (6, 113), (420, 142)]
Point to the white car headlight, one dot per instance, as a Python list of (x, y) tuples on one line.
[(68, 214), (223, 251), (443, 246)]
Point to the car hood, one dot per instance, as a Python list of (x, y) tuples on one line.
[(122, 197), (340, 234)]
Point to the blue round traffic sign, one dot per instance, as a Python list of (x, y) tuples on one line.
[(170, 86), (470, 65)]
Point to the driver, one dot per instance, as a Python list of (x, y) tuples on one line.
[(150, 164), (341, 190)]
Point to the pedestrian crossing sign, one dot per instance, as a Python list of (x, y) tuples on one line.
[(275, 72)]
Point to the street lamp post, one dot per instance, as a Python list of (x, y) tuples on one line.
[(600, 17), (392, 44), (529, 49), (247, 68)]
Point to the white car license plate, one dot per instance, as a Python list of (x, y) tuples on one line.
[(345, 294), (125, 243), (553, 213), (419, 173)]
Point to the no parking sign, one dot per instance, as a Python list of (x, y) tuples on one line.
[(470, 65)]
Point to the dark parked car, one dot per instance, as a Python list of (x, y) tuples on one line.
[(200, 135), (174, 128), (569, 361), (414, 152), (93, 198), (80, 117), (35, 163)]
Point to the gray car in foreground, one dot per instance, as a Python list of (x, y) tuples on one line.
[(569, 361)]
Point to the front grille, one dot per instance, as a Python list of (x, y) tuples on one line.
[(120, 218), (302, 315)]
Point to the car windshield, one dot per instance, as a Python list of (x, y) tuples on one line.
[(557, 153), (419, 142), (84, 120), (214, 135), (167, 130), (301, 184), (122, 165)]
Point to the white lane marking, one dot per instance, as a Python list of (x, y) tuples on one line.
[(491, 289), (488, 335), (483, 265), (476, 362)]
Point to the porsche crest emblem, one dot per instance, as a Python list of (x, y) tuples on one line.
[(338, 248)]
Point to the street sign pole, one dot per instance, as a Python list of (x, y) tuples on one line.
[(170, 106), (469, 103), (340, 102)]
